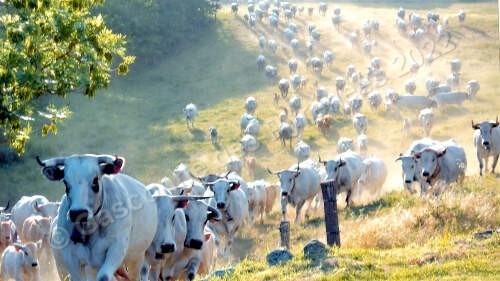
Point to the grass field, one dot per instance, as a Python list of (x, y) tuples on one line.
[(395, 237)]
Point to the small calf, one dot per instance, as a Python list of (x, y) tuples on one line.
[(214, 135), (20, 262)]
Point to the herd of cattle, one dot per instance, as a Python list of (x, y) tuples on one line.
[(110, 225)]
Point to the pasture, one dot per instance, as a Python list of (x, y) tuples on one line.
[(395, 236)]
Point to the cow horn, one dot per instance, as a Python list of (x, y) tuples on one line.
[(270, 172), (57, 161), (399, 157), (6, 207), (227, 174), (195, 177), (217, 212), (497, 121), (184, 197)]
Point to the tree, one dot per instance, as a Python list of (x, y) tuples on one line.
[(52, 47)]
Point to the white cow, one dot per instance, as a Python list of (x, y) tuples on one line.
[(456, 98), (232, 202), (106, 220), (442, 164), (363, 144), (375, 100), (248, 144), (355, 104), (472, 88), (244, 120), (487, 143), (190, 257), (32, 205), (345, 171), (295, 104), (344, 144), (234, 164), (299, 185), (410, 102), (373, 176), (410, 168), (300, 123), (426, 118), (252, 127), (360, 123), (20, 262), (181, 173), (250, 105), (302, 150), (190, 114)]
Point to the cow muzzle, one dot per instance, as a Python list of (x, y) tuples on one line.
[(193, 244), (425, 173), (35, 264), (78, 215), (221, 205), (167, 248), (284, 193), (486, 145)]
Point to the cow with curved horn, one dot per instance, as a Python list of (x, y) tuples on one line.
[(299, 184), (101, 221), (487, 143), (345, 171), (232, 202)]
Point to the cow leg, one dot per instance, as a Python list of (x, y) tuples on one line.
[(486, 163), (480, 160), (298, 209), (348, 200), (495, 160), (283, 207), (192, 267), (114, 259)]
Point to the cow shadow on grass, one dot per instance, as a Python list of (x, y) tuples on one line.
[(198, 134)]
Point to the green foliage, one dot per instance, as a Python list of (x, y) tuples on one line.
[(156, 27), (51, 48)]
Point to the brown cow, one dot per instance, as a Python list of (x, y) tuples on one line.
[(37, 228), (324, 123), (6, 232), (251, 165)]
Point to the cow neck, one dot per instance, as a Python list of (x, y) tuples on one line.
[(435, 174)]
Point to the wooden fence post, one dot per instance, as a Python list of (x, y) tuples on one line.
[(285, 234), (331, 214)]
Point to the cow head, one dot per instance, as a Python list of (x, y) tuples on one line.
[(47, 209), (170, 217), (5, 233), (428, 159), (197, 214), (221, 189), (333, 168), (29, 253), (287, 179), (367, 164), (485, 129), (82, 175), (409, 170)]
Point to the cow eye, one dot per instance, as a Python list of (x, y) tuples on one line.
[(336, 169), (95, 185), (66, 185), (187, 218)]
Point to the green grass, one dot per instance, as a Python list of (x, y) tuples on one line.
[(394, 237)]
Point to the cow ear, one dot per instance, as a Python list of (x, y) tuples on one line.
[(212, 216), (342, 163), (18, 247), (207, 236), (115, 167), (442, 153), (234, 185), (493, 125), (183, 203), (53, 173)]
